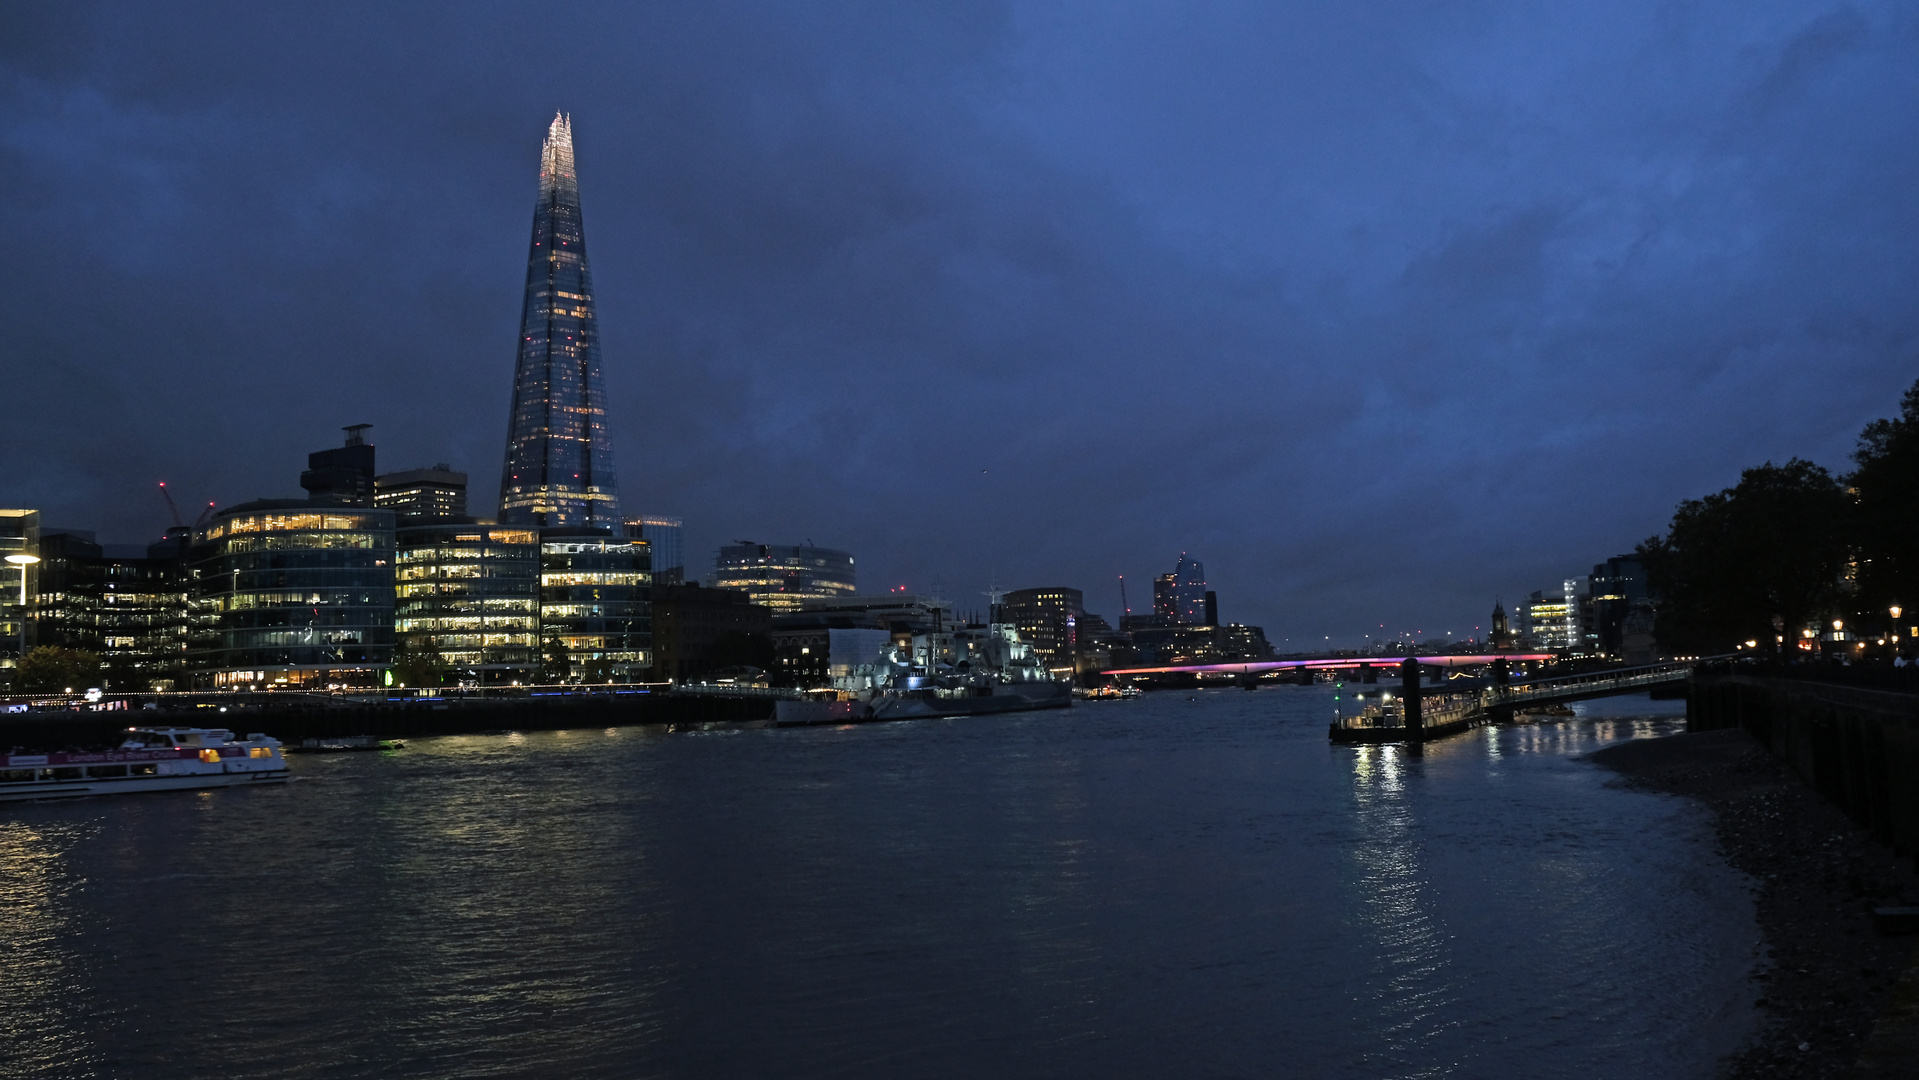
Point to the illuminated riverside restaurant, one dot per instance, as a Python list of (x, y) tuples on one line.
[(284, 593), (470, 593)]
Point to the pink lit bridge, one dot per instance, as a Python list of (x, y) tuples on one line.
[(1335, 663)]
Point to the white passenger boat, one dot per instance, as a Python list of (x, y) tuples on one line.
[(151, 759)]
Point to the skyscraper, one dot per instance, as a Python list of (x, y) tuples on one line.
[(559, 460), (1179, 598)]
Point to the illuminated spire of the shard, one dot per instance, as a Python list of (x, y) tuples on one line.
[(559, 461)]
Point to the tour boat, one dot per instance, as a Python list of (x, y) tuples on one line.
[(151, 759)]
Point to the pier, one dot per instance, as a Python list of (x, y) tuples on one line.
[(1453, 712)]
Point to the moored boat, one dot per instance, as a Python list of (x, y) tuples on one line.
[(150, 759)]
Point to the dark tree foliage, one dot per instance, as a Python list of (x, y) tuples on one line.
[(49, 669), (419, 663), (1775, 545), (1887, 521), (556, 664)]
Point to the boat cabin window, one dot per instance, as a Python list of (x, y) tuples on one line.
[(106, 770), (209, 755), (189, 738), (260, 751), (64, 773), (16, 776), (151, 738), (144, 769)]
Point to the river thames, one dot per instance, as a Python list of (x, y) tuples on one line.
[(1184, 884)]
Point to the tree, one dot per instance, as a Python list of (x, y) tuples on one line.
[(556, 664), (49, 669), (1772, 546), (419, 664), (1886, 483)]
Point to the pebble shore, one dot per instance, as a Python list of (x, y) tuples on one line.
[(1829, 977)]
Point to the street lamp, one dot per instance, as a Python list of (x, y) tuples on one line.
[(23, 561)]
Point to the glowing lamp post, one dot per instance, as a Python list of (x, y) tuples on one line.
[(23, 561), (1894, 611)]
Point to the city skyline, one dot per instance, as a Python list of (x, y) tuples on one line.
[(948, 291)]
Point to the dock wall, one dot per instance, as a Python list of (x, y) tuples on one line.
[(1857, 746)]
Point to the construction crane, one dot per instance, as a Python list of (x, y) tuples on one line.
[(174, 509), (171, 509)]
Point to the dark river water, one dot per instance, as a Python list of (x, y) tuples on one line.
[(1173, 886)]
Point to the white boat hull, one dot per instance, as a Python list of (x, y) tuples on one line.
[(71, 789)]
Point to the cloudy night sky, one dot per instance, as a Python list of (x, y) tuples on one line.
[(1381, 310)]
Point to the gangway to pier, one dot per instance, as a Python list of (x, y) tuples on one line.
[(1454, 713)]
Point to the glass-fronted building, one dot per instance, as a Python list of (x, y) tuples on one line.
[(471, 594), (781, 576), (595, 623), (19, 583), (287, 593), (662, 534), (127, 606)]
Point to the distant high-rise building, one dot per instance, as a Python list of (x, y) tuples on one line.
[(663, 534), (422, 494), (1618, 586), (782, 575), (559, 459), (1179, 598), (343, 475)]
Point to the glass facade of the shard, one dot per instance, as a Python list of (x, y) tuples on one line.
[(559, 461)]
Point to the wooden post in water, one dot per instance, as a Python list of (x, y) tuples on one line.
[(1409, 698)]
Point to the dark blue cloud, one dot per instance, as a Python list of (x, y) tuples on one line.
[(1380, 309)]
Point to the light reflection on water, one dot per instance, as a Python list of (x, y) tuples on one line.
[(1182, 884)]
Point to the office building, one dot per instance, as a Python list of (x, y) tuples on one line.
[(782, 576), (470, 595), (343, 475), (846, 650), (559, 459), (291, 593), (125, 604), (19, 582), (1048, 621), (422, 494), (595, 625), (689, 621), (1549, 622), (1618, 586), (662, 534)]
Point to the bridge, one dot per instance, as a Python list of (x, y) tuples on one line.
[(1411, 719)]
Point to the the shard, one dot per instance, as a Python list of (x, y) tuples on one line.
[(559, 461)]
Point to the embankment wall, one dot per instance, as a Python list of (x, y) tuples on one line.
[(1858, 747)]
